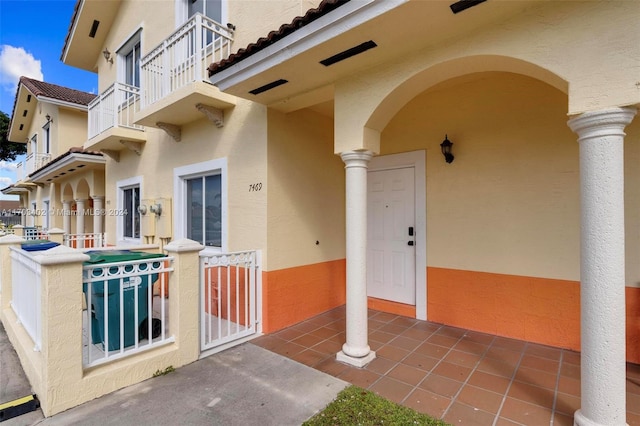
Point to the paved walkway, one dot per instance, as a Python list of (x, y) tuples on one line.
[(246, 385)]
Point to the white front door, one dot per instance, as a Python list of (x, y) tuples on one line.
[(391, 255)]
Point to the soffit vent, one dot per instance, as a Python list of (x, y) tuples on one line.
[(356, 50), (268, 86), (461, 5), (94, 28)]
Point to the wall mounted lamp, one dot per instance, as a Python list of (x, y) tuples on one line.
[(445, 146), (48, 117), (142, 209), (107, 55)]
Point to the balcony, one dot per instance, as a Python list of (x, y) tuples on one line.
[(111, 125), (33, 162), (174, 77)]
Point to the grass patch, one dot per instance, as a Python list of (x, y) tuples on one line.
[(167, 370), (357, 406)]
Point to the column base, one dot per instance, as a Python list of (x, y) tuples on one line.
[(579, 419), (358, 362)]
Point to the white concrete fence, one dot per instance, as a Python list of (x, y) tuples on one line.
[(46, 302)]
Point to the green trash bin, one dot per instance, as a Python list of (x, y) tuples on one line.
[(141, 284)]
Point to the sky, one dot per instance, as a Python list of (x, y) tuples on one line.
[(32, 33)]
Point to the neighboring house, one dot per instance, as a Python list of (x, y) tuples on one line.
[(59, 183), (494, 236)]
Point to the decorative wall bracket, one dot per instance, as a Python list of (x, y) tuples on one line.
[(215, 115), (114, 155), (133, 146), (171, 129)]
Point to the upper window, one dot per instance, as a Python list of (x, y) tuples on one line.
[(129, 61), (47, 137), (209, 8), (200, 206)]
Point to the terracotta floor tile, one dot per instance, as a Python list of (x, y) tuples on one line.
[(538, 363), (445, 341), (449, 331), (328, 347), (392, 353), (490, 382), (407, 374), (466, 345), (305, 327), (338, 338), (307, 340), (570, 370), (633, 371), (383, 317), (567, 404), (289, 334), (506, 422), (381, 365), (532, 394), (477, 337), (420, 361), (507, 343), (338, 325), (374, 325), (452, 371), (633, 403), (375, 346), (462, 358), (571, 357), (426, 326), (543, 351), (417, 334), (268, 342), (525, 413), (309, 357), (440, 385), (391, 389), (381, 336), (288, 349), (324, 332), (359, 377), (543, 379), (331, 366), (633, 419), (633, 386), (392, 328), (562, 420), (427, 402), (405, 343), (496, 367), (569, 386), (434, 351), (462, 414), (503, 354), (480, 398), (405, 322)]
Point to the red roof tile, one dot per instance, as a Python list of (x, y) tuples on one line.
[(298, 22), (40, 88)]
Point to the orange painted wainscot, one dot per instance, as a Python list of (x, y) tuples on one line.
[(292, 295), (540, 310)]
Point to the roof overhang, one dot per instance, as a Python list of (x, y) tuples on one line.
[(87, 33), (66, 165), (14, 190), (397, 27)]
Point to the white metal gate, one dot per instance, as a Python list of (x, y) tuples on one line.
[(229, 287)]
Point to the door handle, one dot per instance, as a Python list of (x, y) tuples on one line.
[(411, 231), (410, 243)]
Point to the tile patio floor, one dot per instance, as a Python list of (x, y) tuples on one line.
[(461, 376)]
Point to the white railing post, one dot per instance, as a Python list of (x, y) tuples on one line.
[(184, 300), (6, 293)]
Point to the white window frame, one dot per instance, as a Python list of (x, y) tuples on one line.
[(46, 208), (121, 185), (46, 136), (182, 12), (123, 50), (32, 216), (180, 177)]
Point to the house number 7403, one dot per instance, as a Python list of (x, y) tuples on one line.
[(255, 187)]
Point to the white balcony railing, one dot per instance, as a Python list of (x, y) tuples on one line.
[(84, 241), (114, 108), (184, 57), (26, 286), (33, 162)]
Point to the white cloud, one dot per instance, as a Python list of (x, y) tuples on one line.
[(6, 165), (16, 62), (5, 181)]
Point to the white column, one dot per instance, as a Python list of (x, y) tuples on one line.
[(97, 214), (602, 270), (66, 216), (356, 350), (80, 216)]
